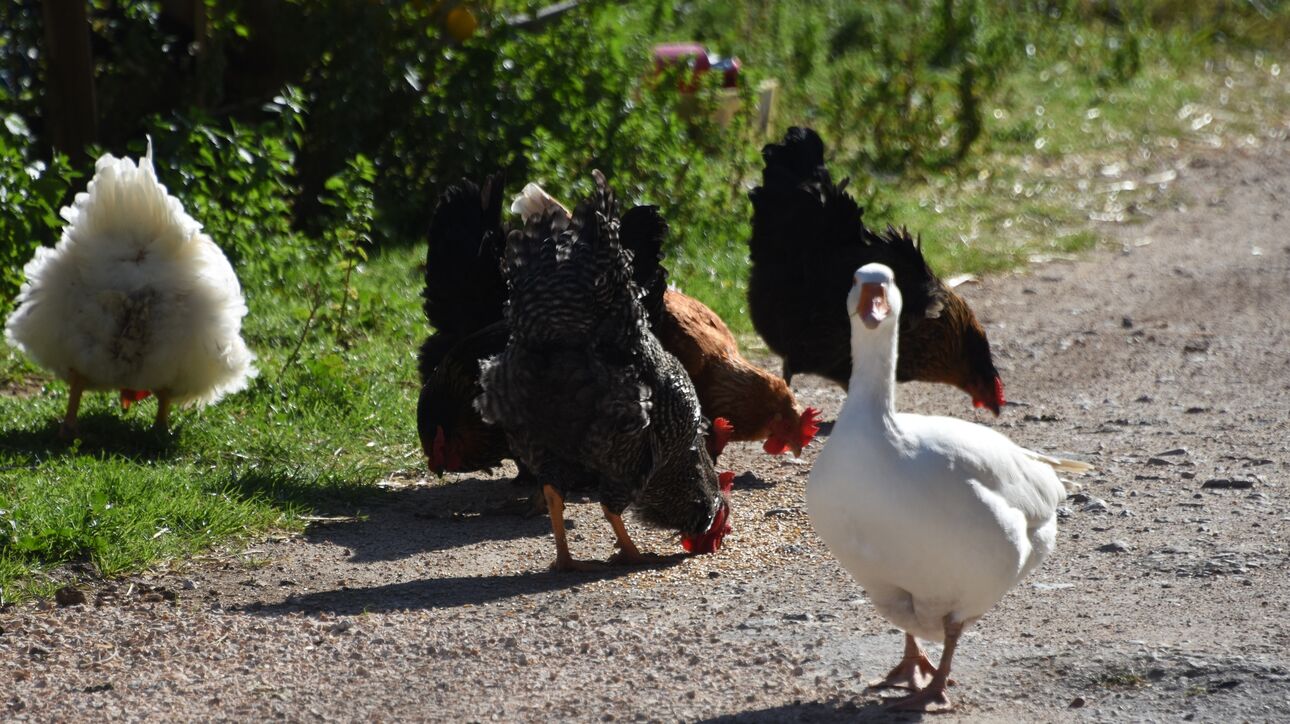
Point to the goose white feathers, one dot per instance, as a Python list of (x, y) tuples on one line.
[(134, 296), (935, 517)]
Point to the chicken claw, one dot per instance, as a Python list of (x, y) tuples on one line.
[(628, 554)]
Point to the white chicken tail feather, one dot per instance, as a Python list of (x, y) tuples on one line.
[(533, 201), (1061, 465)]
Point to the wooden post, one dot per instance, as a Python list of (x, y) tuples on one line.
[(69, 77)]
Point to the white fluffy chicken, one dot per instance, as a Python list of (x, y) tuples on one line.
[(133, 297), (937, 518)]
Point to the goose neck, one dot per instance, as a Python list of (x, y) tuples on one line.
[(873, 370)]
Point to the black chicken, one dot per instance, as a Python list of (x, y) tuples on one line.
[(808, 238), (463, 298), (588, 397), (453, 435)]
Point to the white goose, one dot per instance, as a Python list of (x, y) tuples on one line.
[(935, 517)]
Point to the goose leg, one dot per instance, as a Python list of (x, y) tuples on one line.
[(933, 698), (563, 560), (68, 430), (913, 672), (628, 553)]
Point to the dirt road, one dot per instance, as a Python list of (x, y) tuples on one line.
[(1165, 365)]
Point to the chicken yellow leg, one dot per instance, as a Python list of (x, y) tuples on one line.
[(76, 383), (628, 553), (563, 560), (162, 423)]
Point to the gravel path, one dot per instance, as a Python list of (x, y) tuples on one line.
[(1165, 365)]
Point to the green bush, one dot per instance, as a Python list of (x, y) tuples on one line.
[(238, 181), (30, 195)]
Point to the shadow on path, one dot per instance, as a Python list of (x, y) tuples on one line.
[(447, 592), (818, 712), (409, 521)]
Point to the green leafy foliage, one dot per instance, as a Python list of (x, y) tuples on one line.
[(238, 180), (30, 196)]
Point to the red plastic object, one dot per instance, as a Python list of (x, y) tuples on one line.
[(668, 55)]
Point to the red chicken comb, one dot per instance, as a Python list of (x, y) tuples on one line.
[(774, 445), (436, 451), (996, 401), (726, 482), (809, 425), (710, 541), (129, 397), (722, 431)]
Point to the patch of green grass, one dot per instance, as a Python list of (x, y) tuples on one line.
[(310, 439), (1109, 157), (1065, 158)]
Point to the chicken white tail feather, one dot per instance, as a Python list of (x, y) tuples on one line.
[(533, 201), (1061, 465)]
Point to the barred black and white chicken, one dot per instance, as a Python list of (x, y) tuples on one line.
[(463, 299), (586, 394)]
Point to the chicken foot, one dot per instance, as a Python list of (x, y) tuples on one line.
[(914, 671), (68, 430), (628, 554), (933, 698), (563, 560)]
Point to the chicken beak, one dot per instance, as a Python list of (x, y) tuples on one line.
[(873, 307)]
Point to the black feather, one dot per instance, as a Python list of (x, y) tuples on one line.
[(808, 238), (447, 400), (464, 288), (643, 232)]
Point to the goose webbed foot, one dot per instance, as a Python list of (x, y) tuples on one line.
[(913, 672), (934, 697)]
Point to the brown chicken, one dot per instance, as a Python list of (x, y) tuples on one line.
[(758, 405)]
